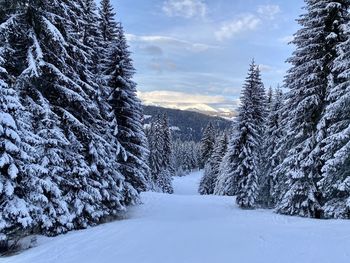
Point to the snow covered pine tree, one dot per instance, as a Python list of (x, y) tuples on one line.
[(212, 168), (65, 167), (15, 211), (241, 165), (309, 81), (207, 143), (334, 127), (127, 109), (270, 156), (161, 174)]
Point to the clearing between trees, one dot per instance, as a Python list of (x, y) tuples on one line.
[(188, 228)]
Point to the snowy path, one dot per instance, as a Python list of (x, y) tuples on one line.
[(188, 228)]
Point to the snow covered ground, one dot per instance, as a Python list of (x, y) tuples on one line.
[(188, 228)]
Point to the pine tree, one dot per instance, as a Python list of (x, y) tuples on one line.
[(15, 212), (185, 157), (334, 127), (127, 111), (269, 99), (270, 160), (168, 154), (226, 183), (107, 23), (207, 143), (161, 175), (309, 80), (241, 165), (52, 63), (211, 171)]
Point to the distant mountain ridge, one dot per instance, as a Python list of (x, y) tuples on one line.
[(185, 124), (200, 108)]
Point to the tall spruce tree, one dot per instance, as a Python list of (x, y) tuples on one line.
[(226, 183), (67, 98), (334, 127), (309, 81), (212, 168), (168, 153), (52, 71), (15, 211), (207, 143), (272, 135), (161, 174), (107, 23), (127, 111), (241, 167)]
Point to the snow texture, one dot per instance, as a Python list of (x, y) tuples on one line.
[(188, 228)]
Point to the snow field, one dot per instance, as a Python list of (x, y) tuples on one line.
[(188, 228)]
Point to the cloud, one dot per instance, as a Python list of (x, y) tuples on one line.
[(152, 50), (286, 39), (185, 8), (165, 96), (161, 65), (265, 68), (269, 11), (185, 101), (241, 24), (247, 22), (169, 42)]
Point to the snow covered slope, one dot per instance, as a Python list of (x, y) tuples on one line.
[(188, 228)]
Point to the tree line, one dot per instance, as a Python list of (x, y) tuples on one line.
[(73, 152), (291, 152), (168, 157)]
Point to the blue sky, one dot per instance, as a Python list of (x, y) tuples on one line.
[(197, 52)]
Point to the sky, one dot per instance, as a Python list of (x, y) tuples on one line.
[(196, 53)]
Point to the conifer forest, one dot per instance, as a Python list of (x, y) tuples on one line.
[(87, 176)]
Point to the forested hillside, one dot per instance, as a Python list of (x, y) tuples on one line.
[(186, 125), (78, 149)]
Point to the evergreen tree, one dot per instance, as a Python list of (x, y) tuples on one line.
[(211, 171), (168, 154), (226, 183), (241, 165), (334, 127), (107, 23), (15, 212), (73, 147), (108, 28), (207, 143), (309, 80), (185, 157), (270, 160), (269, 98), (161, 175), (127, 111), (52, 71)]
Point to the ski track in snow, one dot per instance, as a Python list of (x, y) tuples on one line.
[(188, 228)]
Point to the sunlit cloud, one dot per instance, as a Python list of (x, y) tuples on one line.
[(269, 11), (241, 24), (185, 8), (169, 42), (186, 101)]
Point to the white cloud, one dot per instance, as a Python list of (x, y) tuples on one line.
[(185, 8), (286, 39), (152, 50), (265, 68), (244, 23), (161, 65), (187, 101), (163, 96), (169, 42), (269, 11)]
